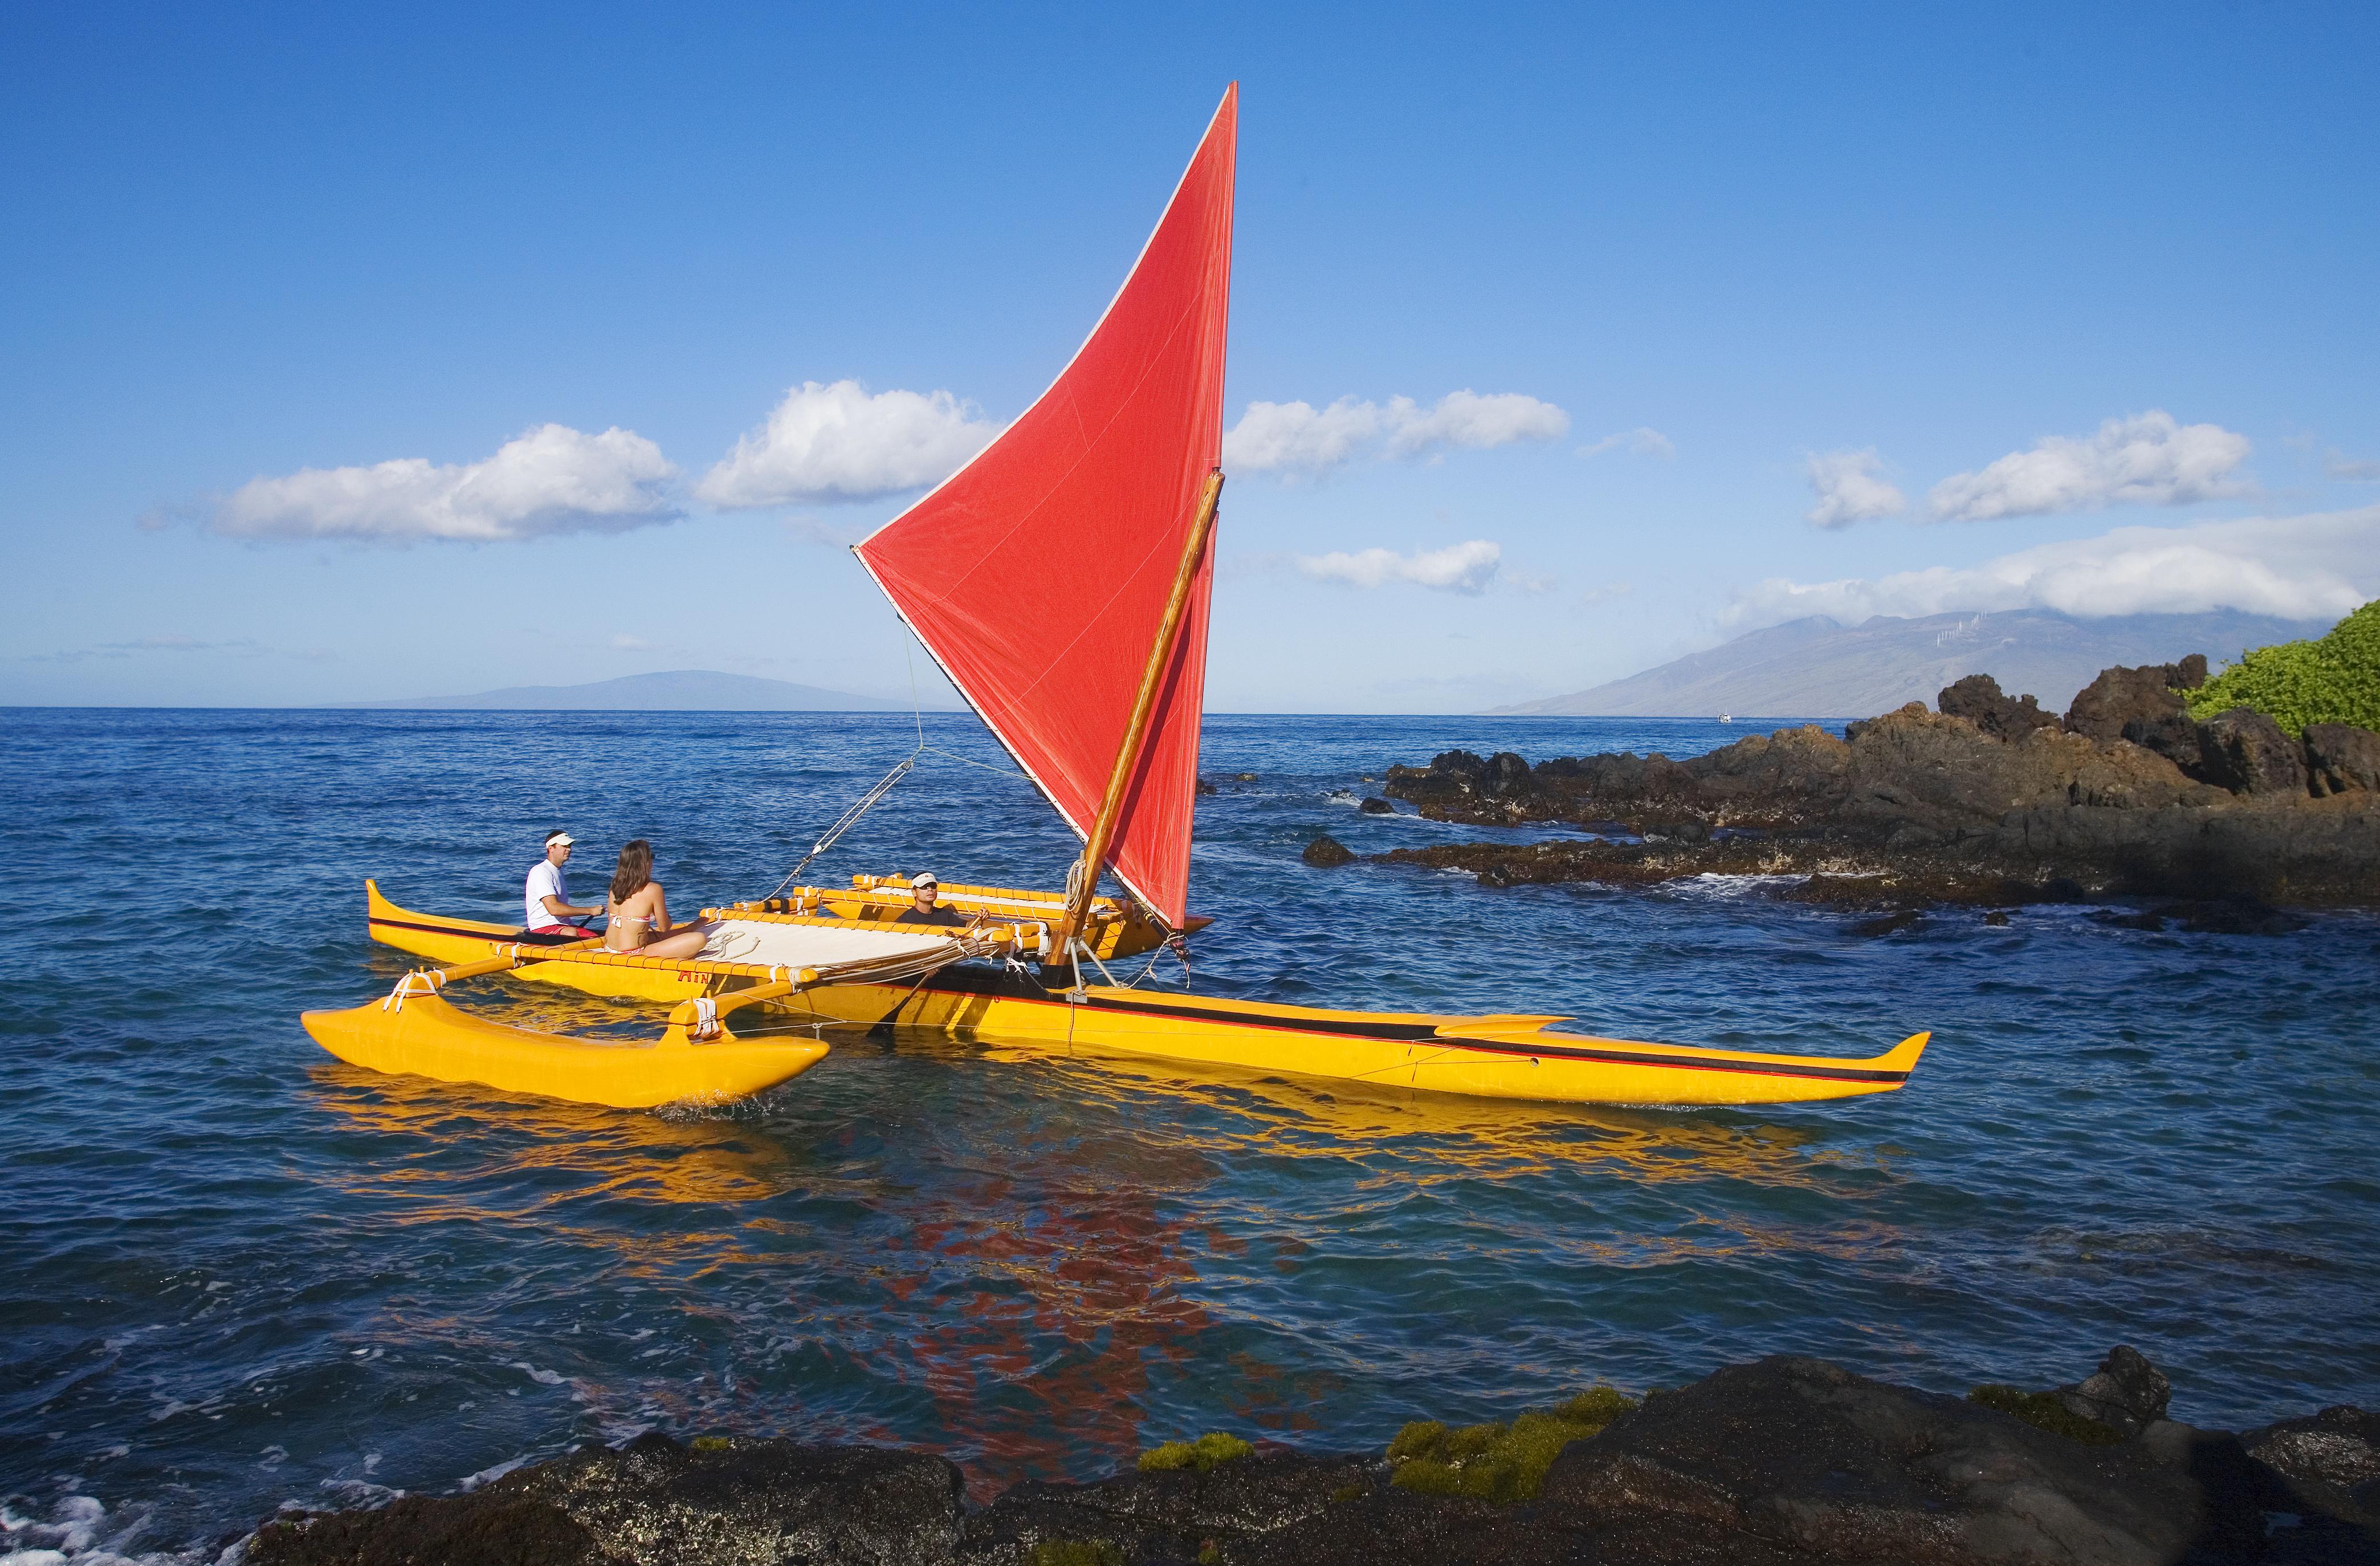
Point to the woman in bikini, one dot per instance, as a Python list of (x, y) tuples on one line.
[(639, 911)]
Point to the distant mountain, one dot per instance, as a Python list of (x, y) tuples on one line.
[(681, 690), (1819, 668)]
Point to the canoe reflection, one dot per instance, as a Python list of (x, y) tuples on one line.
[(1449, 1134), (461, 1151)]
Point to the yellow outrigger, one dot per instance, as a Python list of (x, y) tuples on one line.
[(1061, 578)]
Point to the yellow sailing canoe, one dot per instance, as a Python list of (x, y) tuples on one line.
[(1501, 1056)]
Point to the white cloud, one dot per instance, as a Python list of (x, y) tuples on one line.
[(1459, 568), (1299, 438), (1302, 439), (1849, 490), (552, 479), (2309, 567), (837, 443), (2145, 460), (2338, 464), (1640, 442), (1466, 418)]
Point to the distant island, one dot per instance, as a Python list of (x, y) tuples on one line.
[(1821, 668), (679, 691)]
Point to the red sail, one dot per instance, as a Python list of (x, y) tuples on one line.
[(1038, 573)]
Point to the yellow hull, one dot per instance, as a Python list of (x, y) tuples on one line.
[(1490, 1057), (1498, 1056), (425, 1037)]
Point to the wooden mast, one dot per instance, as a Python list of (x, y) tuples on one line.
[(1135, 733)]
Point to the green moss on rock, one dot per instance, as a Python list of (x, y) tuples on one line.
[(2333, 679), (2044, 1411), (1498, 1462), (1201, 1455), (711, 1443)]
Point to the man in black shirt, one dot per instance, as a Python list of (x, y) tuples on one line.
[(924, 906)]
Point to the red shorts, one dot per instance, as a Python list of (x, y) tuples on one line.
[(571, 930)]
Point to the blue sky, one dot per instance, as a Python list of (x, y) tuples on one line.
[(2086, 291)]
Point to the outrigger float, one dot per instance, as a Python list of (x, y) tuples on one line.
[(1086, 527)]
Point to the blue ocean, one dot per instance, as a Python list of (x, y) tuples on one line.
[(237, 1275)]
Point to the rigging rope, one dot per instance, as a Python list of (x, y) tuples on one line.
[(869, 800)]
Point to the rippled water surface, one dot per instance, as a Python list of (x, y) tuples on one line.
[(239, 1273)]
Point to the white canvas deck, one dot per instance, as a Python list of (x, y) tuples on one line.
[(818, 946)]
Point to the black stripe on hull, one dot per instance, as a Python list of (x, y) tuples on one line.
[(1005, 986)]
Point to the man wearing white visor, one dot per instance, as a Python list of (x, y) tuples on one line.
[(925, 907), (545, 904)]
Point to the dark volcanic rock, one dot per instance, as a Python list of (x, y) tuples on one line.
[(1808, 1456), (449, 1530), (1174, 1514), (1927, 801), (1327, 853), (2141, 705), (2331, 1461), (2246, 752), (1376, 805), (2126, 1394), (2341, 759), (657, 1503), (1781, 1462), (1978, 700)]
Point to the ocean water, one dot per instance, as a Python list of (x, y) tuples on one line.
[(235, 1274)]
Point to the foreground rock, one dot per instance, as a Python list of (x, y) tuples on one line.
[(1989, 800), (657, 1503), (1781, 1462)]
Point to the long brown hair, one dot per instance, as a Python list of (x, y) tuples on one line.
[(636, 872)]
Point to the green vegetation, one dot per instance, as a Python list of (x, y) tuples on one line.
[(1498, 1462), (1202, 1454), (2333, 679), (1075, 1552), (2044, 1411), (711, 1443)]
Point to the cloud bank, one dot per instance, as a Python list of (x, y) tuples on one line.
[(1459, 568), (1849, 490), (2316, 567), (1300, 439), (827, 444), (551, 481), (2148, 459)]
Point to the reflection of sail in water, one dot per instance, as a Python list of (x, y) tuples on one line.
[(1051, 1295)]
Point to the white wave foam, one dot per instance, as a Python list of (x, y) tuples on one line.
[(491, 1475), (80, 1532), (1710, 883)]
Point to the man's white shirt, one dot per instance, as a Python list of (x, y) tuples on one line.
[(544, 882)]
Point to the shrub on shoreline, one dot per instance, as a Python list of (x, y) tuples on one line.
[(2334, 678)]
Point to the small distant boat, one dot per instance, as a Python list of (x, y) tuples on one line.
[(1727, 717), (1061, 578)]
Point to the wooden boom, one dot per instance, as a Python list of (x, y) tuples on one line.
[(1135, 733)]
